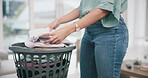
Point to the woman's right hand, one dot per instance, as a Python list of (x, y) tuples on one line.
[(54, 24)]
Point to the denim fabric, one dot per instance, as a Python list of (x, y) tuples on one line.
[(102, 50)]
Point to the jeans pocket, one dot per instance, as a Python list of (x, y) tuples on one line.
[(113, 30)]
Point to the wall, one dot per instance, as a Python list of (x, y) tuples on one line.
[(136, 22), (140, 22), (130, 21), (147, 20), (1, 27)]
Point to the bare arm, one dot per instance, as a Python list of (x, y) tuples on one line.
[(60, 34), (74, 14), (70, 16), (90, 18)]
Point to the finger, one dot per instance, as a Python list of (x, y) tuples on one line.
[(51, 26), (55, 41), (58, 42), (47, 26), (47, 34), (50, 40)]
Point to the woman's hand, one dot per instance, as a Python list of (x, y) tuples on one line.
[(54, 24), (60, 34)]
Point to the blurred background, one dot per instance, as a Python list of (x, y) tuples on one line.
[(17, 17)]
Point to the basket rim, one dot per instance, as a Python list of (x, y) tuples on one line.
[(22, 49)]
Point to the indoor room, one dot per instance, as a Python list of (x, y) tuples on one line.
[(19, 17)]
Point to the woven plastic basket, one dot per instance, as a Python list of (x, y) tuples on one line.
[(41, 63)]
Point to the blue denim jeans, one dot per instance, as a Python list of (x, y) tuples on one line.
[(102, 50)]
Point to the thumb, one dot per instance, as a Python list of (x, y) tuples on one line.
[(47, 34), (49, 26)]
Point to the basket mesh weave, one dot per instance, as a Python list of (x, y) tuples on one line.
[(42, 64)]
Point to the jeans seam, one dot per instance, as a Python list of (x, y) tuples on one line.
[(90, 36), (115, 51), (88, 41), (91, 58)]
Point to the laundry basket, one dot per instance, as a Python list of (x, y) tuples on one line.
[(41, 63)]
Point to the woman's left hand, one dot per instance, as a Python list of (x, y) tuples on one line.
[(59, 35)]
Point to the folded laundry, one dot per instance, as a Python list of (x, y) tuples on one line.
[(41, 44), (35, 34), (36, 41)]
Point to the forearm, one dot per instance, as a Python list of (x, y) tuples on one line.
[(89, 19), (69, 17), (60, 34), (92, 17)]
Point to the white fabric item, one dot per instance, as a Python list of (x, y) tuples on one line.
[(35, 33), (34, 36), (41, 44)]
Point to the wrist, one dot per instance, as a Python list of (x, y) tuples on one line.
[(59, 20), (71, 28)]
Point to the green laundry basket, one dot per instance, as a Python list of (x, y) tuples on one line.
[(41, 63)]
